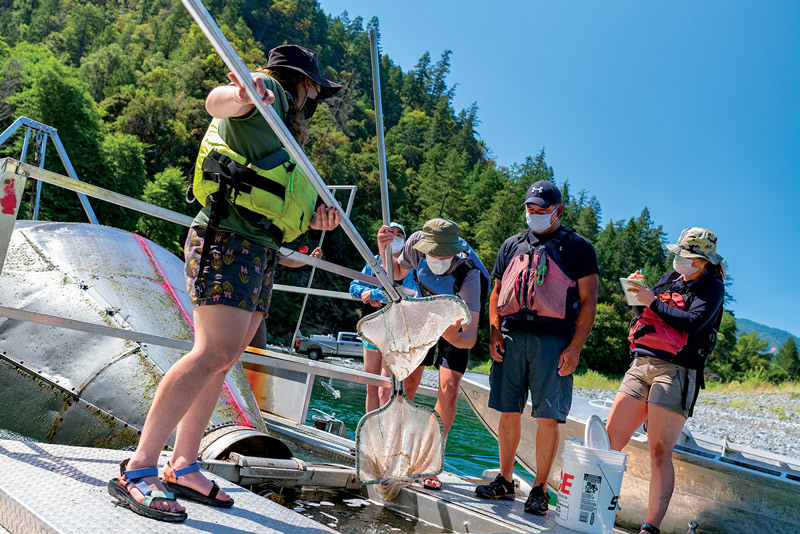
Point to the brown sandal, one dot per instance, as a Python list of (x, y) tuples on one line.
[(432, 482)]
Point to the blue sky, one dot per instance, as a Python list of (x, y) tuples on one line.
[(689, 108)]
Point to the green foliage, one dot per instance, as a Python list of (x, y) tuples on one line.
[(722, 361), (167, 189), (123, 172), (54, 93), (606, 350), (623, 247), (593, 379), (786, 364), (747, 362)]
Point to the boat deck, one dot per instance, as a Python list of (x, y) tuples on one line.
[(59, 489), (456, 507)]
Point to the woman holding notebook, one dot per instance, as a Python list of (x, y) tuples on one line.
[(674, 332)]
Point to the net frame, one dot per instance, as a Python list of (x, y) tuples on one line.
[(398, 392), (410, 307)]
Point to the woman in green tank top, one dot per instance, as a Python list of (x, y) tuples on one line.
[(229, 271)]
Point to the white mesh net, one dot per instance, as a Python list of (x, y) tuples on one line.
[(404, 331), (403, 440), (399, 441)]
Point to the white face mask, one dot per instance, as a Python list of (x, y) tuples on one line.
[(397, 245), (539, 222), (437, 266), (684, 266)]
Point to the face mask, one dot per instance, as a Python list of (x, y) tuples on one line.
[(438, 266), (683, 266), (397, 244), (539, 222), (310, 107)]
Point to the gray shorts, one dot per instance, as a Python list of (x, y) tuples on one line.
[(530, 364), (661, 383)]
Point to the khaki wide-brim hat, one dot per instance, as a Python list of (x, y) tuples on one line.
[(440, 238), (697, 243)]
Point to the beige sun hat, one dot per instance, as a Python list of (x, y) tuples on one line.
[(440, 238), (697, 242)]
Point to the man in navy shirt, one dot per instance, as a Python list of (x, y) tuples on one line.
[(541, 311)]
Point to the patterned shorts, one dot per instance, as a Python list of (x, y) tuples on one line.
[(237, 273)]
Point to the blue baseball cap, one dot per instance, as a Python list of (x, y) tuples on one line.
[(543, 193)]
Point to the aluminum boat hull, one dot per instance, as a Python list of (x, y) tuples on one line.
[(724, 487), (71, 387)]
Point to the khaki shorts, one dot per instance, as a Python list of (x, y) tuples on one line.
[(661, 383)]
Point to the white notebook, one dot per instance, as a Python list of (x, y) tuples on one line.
[(631, 298)]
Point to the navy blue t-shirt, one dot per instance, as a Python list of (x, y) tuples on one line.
[(705, 298)]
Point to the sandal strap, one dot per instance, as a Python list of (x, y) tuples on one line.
[(136, 474), (142, 486), (165, 495), (214, 490), (647, 527), (186, 470)]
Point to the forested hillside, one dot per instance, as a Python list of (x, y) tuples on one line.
[(124, 82), (775, 337)]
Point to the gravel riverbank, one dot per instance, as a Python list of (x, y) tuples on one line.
[(766, 421)]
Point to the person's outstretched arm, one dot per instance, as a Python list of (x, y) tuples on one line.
[(232, 100)]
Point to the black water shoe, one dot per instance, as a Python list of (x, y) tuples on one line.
[(499, 489), (537, 501)]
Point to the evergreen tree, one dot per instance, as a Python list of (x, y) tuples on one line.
[(786, 363), (166, 190), (751, 357), (606, 350), (723, 363)]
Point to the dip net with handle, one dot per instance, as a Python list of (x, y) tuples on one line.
[(403, 440)]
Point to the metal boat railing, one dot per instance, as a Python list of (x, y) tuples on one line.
[(13, 176)]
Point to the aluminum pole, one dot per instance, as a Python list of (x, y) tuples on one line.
[(313, 272), (212, 32), (376, 91), (42, 152), (8, 132), (25, 144)]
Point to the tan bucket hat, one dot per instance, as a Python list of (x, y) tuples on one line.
[(440, 238), (697, 243)]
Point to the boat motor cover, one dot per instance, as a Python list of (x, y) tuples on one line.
[(79, 388)]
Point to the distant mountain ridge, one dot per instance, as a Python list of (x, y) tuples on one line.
[(774, 336)]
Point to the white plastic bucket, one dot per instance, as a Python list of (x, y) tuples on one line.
[(589, 489)]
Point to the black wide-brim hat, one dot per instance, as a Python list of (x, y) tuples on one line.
[(304, 61)]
